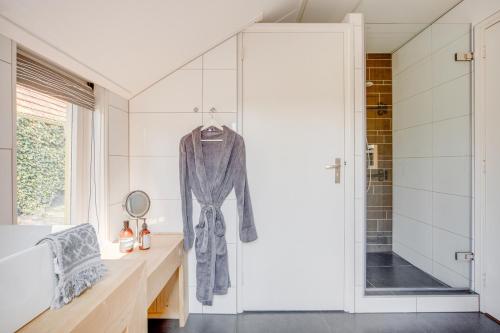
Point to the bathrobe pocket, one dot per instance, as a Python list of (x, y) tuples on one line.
[(200, 257), (220, 239)]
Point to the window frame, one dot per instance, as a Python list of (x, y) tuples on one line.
[(82, 161)]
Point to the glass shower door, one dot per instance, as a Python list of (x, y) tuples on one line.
[(433, 156), (432, 162)]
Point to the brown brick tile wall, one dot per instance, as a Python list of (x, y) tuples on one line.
[(379, 131)]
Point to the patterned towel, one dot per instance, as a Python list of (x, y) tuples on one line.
[(77, 262)]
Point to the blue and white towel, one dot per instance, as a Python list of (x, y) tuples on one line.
[(77, 262)]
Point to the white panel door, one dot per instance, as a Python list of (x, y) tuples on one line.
[(491, 296), (293, 124)]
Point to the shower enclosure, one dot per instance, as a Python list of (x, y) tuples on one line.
[(420, 158)]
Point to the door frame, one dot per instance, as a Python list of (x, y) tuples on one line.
[(479, 179), (347, 30)]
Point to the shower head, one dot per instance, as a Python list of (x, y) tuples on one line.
[(369, 84)]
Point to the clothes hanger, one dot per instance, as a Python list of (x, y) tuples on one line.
[(212, 125)]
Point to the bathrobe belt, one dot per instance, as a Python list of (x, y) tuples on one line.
[(209, 220)]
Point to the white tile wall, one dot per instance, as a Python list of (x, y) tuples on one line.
[(117, 102), (412, 81), (179, 92), (118, 161), (115, 222), (452, 137), (157, 176), (413, 172), (192, 268), (413, 203), (418, 49), (432, 149), (118, 179), (414, 111), (452, 213), (413, 256), (118, 132), (444, 34), (195, 64), (194, 305), (158, 134), (221, 57), (413, 142), (165, 216), (448, 243), (451, 278), (413, 234), (447, 103), (219, 90), (452, 175), (444, 68), (159, 117)]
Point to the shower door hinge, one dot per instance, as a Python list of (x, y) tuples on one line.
[(464, 56), (464, 256)]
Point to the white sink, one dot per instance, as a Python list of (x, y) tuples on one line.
[(26, 274)]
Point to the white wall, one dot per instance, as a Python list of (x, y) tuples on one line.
[(6, 128), (471, 11), (116, 109), (432, 152), (159, 117)]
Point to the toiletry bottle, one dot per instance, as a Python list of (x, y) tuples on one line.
[(144, 237), (126, 238)]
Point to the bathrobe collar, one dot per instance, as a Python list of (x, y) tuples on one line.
[(209, 186)]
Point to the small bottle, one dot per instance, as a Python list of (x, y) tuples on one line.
[(144, 237), (126, 238)]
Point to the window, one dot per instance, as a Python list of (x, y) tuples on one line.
[(44, 163), (57, 145)]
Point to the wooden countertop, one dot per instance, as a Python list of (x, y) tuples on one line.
[(162, 245), (102, 308), (162, 259), (119, 302)]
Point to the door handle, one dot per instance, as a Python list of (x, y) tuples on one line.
[(336, 166)]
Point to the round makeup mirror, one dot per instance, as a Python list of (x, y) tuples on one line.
[(137, 204)]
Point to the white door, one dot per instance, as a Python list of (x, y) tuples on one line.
[(293, 124), (491, 294)]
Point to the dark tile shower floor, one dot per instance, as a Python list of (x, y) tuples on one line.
[(388, 270)]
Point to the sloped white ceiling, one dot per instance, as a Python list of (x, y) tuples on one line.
[(134, 43), (389, 23)]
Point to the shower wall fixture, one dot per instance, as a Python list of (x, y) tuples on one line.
[(379, 137)]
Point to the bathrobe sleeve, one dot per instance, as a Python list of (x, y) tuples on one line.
[(248, 232), (186, 198)]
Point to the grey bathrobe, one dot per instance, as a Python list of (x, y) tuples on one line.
[(210, 170)]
